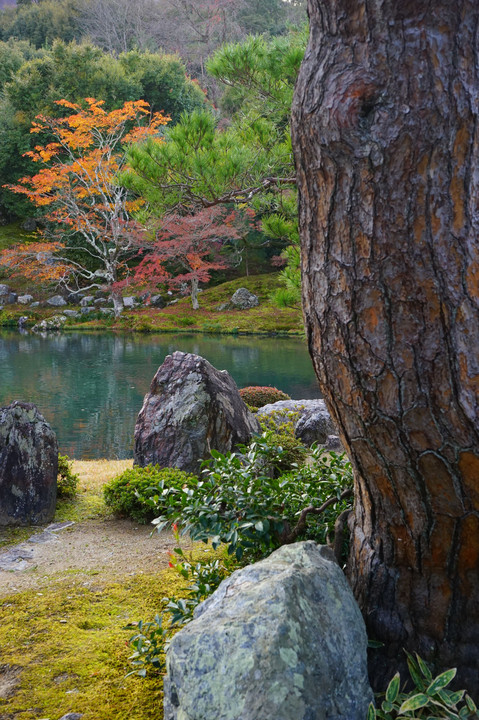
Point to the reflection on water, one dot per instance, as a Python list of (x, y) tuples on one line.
[(90, 387)]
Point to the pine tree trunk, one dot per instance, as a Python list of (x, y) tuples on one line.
[(386, 137)]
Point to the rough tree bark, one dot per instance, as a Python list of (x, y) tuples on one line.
[(386, 137)]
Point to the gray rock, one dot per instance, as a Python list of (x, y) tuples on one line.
[(28, 466), (86, 310), (51, 324), (244, 299), (282, 639), (35, 304), (314, 423), (87, 300), (71, 313), (333, 442), (7, 296), (74, 298), (100, 301), (129, 302), (157, 301), (191, 409), (56, 301), (107, 311), (24, 299), (29, 225), (72, 716)]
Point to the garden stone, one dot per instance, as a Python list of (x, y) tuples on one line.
[(56, 301), (282, 639), (157, 301), (51, 324), (24, 299), (100, 301), (244, 299), (7, 296), (333, 443), (74, 298), (87, 300), (86, 310), (191, 408), (107, 311), (71, 313), (312, 420), (28, 466), (35, 304), (129, 302), (29, 225)]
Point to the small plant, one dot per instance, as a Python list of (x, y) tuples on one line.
[(278, 430), (256, 396), (429, 699), (152, 639), (129, 494), (67, 480)]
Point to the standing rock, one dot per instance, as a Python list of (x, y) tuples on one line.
[(244, 299), (282, 639), (28, 466), (7, 296), (191, 408)]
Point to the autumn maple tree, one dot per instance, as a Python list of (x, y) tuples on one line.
[(91, 231), (187, 249)]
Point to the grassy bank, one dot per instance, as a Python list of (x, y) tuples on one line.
[(266, 318)]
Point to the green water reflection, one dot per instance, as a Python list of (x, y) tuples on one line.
[(90, 387)]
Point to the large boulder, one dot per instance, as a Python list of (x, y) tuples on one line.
[(57, 301), (244, 299), (282, 639), (191, 408), (7, 296), (311, 417), (28, 466)]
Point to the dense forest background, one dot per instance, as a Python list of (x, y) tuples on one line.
[(116, 50)]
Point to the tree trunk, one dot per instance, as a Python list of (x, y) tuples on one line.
[(386, 137), (117, 298), (194, 294)]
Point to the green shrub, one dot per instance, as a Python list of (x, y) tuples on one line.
[(256, 396), (129, 494), (241, 503), (428, 699), (67, 480)]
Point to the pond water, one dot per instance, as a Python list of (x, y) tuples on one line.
[(90, 387)]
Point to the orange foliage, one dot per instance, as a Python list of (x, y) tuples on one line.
[(79, 187)]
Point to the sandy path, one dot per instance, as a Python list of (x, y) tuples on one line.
[(107, 547)]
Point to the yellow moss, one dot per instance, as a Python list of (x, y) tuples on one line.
[(70, 642)]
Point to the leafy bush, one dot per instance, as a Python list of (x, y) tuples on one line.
[(67, 480), (239, 502), (256, 396), (129, 494), (428, 699)]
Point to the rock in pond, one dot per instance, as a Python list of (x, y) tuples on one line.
[(28, 466), (282, 639), (191, 409)]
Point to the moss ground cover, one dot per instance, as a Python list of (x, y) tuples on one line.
[(63, 640)]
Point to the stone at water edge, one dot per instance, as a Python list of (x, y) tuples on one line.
[(191, 409), (282, 639), (28, 466)]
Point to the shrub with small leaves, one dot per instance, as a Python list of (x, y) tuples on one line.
[(256, 396), (278, 432), (67, 480), (128, 495), (430, 699)]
